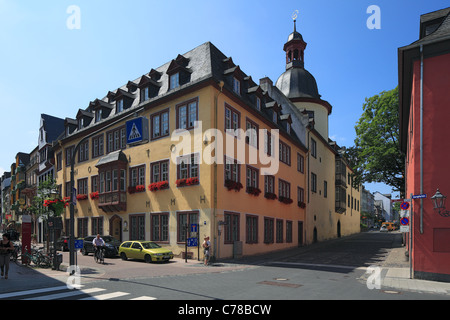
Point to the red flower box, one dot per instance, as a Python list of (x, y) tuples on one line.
[(82, 197), (181, 182), (285, 200), (270, 196), (155, 186), (192, 181), (253, 191), (230, 184), (94, 195), (134, 189), (302, 205)]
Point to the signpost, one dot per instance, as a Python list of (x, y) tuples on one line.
[(137, 130), (404, 205), (419, 196)]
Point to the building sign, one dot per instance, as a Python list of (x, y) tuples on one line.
[(137, 130)]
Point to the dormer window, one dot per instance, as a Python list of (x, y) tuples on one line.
[(145, 94), (174, 81), (236, 86), (275, 117), (98, 115), (258, 104), (119, 105), (288, 128)]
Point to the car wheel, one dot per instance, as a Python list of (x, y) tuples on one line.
[(123, 256), (84, 252), (148, 258)]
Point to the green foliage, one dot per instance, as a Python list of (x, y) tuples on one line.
[(376, 156), (47, 191)]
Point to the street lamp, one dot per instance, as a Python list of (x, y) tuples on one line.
[(439, 204)]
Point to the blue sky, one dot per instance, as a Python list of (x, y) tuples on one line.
[(45, 67)]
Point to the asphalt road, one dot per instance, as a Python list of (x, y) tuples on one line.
[(332, 270)]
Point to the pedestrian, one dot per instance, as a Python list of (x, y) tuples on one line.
[(206, 247), (6, 247)]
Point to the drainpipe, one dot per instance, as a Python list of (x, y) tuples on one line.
[(215, 226), (421, 137)]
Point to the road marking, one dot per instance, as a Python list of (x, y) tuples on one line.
[(30, 292), (144, 298), (71, 293), (107, 296)]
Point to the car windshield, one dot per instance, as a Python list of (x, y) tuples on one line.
[(150, 245), (108, 239)]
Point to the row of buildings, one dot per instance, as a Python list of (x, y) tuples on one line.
[(269, 178)]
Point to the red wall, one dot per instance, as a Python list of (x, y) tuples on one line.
[(431, 249)]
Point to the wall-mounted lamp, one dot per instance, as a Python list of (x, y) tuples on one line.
[(439, 204)]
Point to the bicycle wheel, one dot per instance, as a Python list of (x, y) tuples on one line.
[(96, 256), (45, 262), (102, 256)]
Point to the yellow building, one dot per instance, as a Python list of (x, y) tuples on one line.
[(196, 148), (158, 188)]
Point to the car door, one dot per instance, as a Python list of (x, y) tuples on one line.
[(136, 251)]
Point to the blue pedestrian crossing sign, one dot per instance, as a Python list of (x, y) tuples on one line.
[(137, 130)]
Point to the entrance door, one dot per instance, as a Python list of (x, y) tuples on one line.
[(115, 227), (300, 233)]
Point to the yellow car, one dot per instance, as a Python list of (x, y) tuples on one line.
[(144, 250)]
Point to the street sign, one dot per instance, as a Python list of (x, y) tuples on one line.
[(79, 244), (404, 205), (194, 227), (404, 221), (192, 242), (404, 228), (419, 196), (404, 213), (137, 130)]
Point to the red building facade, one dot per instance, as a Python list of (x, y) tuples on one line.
[(424, 106)]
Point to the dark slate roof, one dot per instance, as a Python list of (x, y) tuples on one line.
[(201, 63), (112, 157), (53, 126), (297, 82)]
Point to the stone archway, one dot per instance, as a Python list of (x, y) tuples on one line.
[(115, 227)]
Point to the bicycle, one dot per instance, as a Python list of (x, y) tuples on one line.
[(31, 257), (99, 255)]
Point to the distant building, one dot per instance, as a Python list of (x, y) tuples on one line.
[(386, 205)]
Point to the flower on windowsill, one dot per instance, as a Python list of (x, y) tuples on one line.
[(230, 184), (134, 189), (155, 186), (82, 197), (302, 205), (94, 195), (180, 182), (270, 196), (192, 181), (253, 191), (285, 200)]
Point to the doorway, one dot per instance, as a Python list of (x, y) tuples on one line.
[(339, 229), (115, 227), (300, 233)]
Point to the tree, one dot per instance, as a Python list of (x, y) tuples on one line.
[(376, 156)]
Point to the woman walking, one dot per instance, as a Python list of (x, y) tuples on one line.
[(6, 247)]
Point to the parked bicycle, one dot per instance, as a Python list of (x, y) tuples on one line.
[(39, 259)]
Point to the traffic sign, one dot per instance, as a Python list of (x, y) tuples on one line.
[(419, 196), (404, 213), (404, 221), (404, 228), (194, 227), (404, 205), (192, 242), (78, 244), (137, 130)]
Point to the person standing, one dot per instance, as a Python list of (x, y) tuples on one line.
[(206, 247), (6, 248)]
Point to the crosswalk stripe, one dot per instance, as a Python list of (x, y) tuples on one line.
[(30, 292), (144, 298), (71, 293), (107, 296)]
